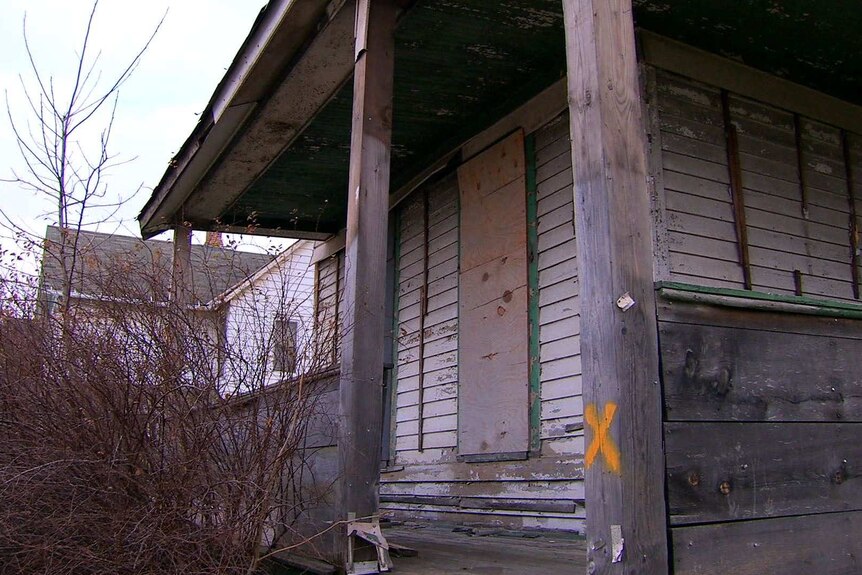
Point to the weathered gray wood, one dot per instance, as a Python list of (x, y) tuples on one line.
[(625, 498), (741, 79), (365, 262), (493, 393), (181, 271), (827, 544), (725, 471)]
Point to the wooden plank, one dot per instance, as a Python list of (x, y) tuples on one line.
[(493, 395), (734, 170), (181, 267), (827, 544), (744, 80), (362, 346), (727, 471), (854, 222), (626, 526)]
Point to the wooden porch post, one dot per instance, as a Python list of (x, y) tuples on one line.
[(181, 269), (362, 342), (626, 525)]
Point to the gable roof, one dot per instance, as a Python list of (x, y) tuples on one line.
[(110, 265)]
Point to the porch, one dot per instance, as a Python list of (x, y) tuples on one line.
[(539, 230)]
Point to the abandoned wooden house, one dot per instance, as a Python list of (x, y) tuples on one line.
[(594, 263)]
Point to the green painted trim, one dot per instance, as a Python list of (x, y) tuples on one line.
[(393, 388), (758, 300), (535, 366)]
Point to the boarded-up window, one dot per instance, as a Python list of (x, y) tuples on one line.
[(493, 349), (283, 345)]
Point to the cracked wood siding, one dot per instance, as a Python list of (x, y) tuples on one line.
[(761, 408), (329, 301), (546, 490), (439, 380), (559, 308), (797, 217)]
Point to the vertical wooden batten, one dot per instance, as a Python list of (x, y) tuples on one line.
[(535, 362), (854, 224), (363, 335), (735, 172), (423, 313), (625, 499)]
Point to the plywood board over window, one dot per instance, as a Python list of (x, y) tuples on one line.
[(493, 396)]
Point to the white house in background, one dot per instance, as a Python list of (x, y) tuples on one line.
[(269, 321)]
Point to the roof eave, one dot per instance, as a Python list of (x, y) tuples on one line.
[(277, 39)]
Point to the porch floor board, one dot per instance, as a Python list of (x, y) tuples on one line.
[(444, 551)]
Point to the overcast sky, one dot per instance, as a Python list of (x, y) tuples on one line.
[(158, 106)]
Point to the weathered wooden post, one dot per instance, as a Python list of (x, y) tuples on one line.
[(181, 268), (626, 526), (362, 340)]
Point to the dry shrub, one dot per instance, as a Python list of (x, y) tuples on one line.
[(124, 450)]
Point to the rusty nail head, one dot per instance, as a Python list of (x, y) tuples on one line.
[(693, 479), (725, 488)]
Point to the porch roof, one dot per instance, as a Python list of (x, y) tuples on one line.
[(271, 155)]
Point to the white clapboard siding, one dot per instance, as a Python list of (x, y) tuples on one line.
[(330, 297), (783, 238), (546, 490), (439, 344), (559, 319), (701, 236)]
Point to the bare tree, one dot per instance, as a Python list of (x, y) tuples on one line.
[(51, 133)]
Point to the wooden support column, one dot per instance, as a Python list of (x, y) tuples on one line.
[(624, 463), (181, 269), (363, 336)]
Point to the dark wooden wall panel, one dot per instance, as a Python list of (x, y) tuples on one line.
[(751, 374), (729, 471), (763, 439), (826, 544)]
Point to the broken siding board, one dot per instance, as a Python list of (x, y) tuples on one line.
[(828, 544), (525, 489), (493, 518)]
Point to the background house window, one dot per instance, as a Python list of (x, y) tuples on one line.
[(283, 345)]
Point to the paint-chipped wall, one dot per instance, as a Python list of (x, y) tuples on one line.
[(429, 481), (796, 205)]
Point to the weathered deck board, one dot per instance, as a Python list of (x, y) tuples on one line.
[(442, 551)]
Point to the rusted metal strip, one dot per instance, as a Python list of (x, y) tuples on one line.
[(797, 282), (735, 172), (423, 311), (800, 164), (854, 225)]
